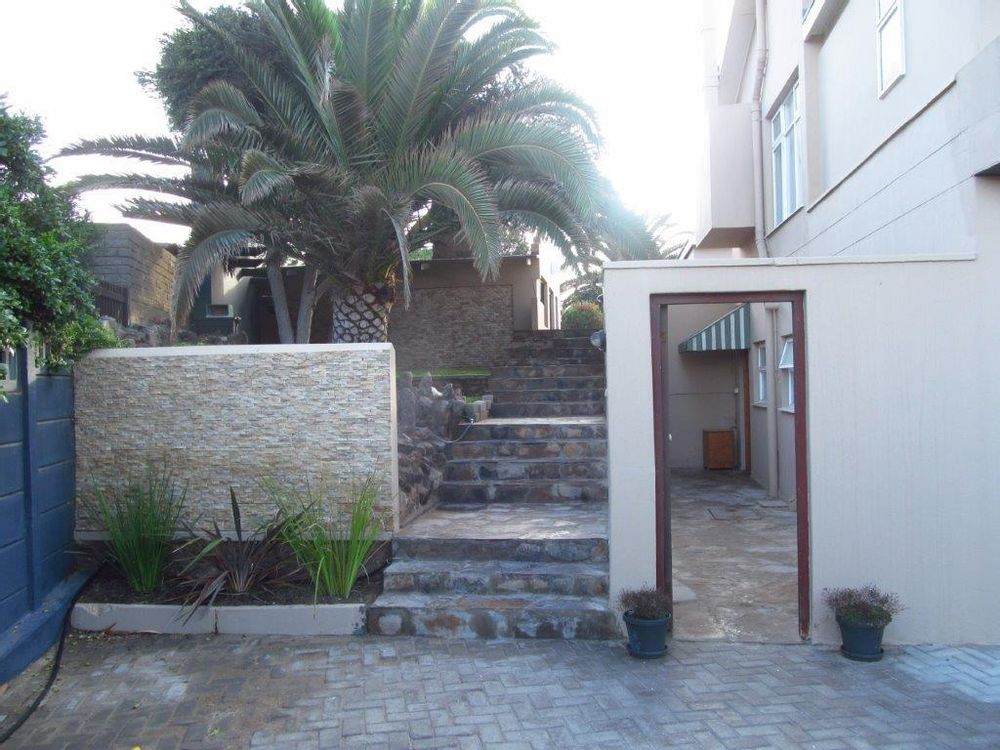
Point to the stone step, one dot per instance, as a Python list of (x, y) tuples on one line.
[(553, 448), (551, 396), (568, 550), (546, 384), (497, 577), (548, 409), (509, 469), (530, 359), (491, 617), (584, 428), (525, 491), (564, 348), (558, 335), (550, 370)]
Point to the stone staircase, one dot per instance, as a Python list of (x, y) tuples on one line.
[(518, 545)]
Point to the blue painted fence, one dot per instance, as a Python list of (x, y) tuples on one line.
[(36, 512)]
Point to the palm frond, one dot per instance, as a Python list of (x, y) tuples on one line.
[(261, 176), (367, 46), (540, 149), (182, 187), (454, 181), (156, 150), (420, 70), (540, 207)]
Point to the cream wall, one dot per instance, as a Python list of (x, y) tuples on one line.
[(884, 175), (700, 385), (322, 415), (902, 388)]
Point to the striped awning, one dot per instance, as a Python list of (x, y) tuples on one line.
[(728, 333)]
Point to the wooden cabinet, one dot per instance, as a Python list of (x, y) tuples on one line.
[(719, 449)]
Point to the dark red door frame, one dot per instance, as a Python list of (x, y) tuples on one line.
[(657, 303)]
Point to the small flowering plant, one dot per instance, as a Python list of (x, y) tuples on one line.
[(867, 605)]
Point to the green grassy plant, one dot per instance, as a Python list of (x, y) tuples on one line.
[(140, 520), (331, 547)]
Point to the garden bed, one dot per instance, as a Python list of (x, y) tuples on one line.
[(109, 604)]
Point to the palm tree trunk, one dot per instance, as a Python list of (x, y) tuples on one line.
[(277, 282), (307, 304), (362, 315)]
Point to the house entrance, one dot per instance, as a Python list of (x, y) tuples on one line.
[(732, 521)]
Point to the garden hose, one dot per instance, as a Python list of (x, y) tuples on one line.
[(57, 660)]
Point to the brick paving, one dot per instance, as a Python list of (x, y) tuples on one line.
[(225, 692)]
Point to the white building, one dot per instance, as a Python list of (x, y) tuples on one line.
[(852, 161)]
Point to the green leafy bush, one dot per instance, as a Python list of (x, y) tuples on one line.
[(331, 547), (583, 316), (46, 294), (140, 519)]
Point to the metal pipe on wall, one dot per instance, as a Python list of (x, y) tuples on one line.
[(772, 398), (757, 130)]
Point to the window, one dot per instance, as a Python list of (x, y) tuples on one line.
[(785, 156), (761, 372), (889, 43), (787, 366), (9, 369)]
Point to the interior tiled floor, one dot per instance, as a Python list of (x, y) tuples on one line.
[(734, 560)]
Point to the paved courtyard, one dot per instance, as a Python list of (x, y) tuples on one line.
[(225, 692), (734, 560)]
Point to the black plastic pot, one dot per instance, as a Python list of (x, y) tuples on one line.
[(647, 639), (860, 642)]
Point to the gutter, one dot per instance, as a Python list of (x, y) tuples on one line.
[(757, 130)]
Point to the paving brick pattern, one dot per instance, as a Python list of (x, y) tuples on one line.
[(222, 692)]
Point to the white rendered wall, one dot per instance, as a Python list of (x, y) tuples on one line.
[(902, 434)]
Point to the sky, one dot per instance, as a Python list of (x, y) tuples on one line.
[(637, 62)]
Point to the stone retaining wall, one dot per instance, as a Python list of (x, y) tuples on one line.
[(122, 255), (453, 327), (219, 416)]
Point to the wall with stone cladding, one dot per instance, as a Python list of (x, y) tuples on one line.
[(219, 416), (462, 326), (124, 256)]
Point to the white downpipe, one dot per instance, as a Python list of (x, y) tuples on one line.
[(757, 130), (772, 398)]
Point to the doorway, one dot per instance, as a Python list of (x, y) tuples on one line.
[(732, 531)]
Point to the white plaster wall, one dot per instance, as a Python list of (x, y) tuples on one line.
[(902, 437)]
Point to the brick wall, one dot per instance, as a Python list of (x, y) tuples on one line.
[(461, 326), (124, 256), (219, 416)]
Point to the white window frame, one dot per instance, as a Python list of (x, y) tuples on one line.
[(787, 117), (760, 349), (787, 366), (882, 19), (8, 361)]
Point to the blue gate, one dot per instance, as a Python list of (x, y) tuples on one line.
[(36, 511)]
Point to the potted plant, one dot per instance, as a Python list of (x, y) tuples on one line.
[(862, 614), (646, 613)]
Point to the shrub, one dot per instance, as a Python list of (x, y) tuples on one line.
[(583, 316), (331, 547), (237, 566), (866, 605), (46, 294), (140, 520), (645, 604)]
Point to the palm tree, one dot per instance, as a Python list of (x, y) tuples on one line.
[(207, 200), (375, 130)]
